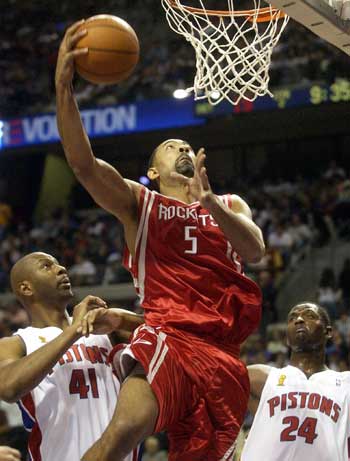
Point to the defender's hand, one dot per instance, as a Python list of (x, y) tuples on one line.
[(67, 53), (198, 186), (86, 305), (101, 322), (9, 454)]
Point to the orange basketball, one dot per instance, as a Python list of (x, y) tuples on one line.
[(113, 50)]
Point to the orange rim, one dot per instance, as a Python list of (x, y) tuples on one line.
[(261, 15)]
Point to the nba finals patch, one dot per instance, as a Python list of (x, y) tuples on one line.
[(281, 380), (42, 339)]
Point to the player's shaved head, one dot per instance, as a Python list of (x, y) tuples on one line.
[(22, 271), (39, 278)]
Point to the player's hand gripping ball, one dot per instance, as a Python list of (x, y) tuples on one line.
[(113, 46)]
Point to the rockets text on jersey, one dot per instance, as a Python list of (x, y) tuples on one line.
[(187, 274)]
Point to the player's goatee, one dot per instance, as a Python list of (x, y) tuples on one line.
[(185, 167)]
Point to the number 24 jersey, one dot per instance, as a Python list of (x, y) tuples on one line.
[(300, 418)]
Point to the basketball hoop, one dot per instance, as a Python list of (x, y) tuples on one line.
[(233, 47)]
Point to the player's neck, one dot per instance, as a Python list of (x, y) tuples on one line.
[(48, 316), (178, 192), (309, 362)]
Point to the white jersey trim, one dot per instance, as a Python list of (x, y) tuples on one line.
[(158, 357), (142, 256), (142, 219)]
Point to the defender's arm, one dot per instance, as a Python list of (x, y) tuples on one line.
[(20, 373), (257, 375)]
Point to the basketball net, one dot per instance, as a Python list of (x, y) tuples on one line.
[(233, 47)]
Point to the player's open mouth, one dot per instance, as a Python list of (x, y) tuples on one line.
[(64, 282)]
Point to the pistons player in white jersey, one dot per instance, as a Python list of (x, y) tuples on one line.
[(61, 379), (185, 247), (302, 411)]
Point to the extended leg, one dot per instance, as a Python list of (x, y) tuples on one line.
[(134, 419)]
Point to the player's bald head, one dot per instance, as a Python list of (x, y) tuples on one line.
[(38, 277), (22, 271)]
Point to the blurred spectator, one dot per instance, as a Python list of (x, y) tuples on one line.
[(299, 231), (281, 240), (341, 209), (83, 271), (328, 295), (276, 343), (152, 451), (344, 284), (113, 269), (5, 216), (334, 171), (269, 292), (343, 326)]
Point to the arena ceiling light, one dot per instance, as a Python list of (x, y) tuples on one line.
[(144, 180), (180, 94)]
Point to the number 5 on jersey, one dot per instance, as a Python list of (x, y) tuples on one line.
[(190, 238)]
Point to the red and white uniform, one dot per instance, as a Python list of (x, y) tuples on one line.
[(198, 308), (72, 406)]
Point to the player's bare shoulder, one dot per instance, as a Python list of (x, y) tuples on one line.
[(136, 188), (258, 375), (11, 348)]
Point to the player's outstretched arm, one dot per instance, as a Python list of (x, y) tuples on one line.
[(119, 324), (106, 321), (236, 223), (20, 373), (257, 375), (105, 184)]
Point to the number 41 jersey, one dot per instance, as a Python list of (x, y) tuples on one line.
[(301, 419), (188, 275), (72, 406)]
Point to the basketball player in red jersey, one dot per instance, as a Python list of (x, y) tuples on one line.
[(185, 246)]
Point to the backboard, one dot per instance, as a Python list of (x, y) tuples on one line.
[(329, 19)]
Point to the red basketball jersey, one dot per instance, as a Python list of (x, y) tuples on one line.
[(187, 274)]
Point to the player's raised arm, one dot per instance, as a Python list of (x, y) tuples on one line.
[(105, 184), (20, 373), (257, 376), (236, 223)]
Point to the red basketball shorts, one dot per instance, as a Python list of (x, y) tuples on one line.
[(202, 391)]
